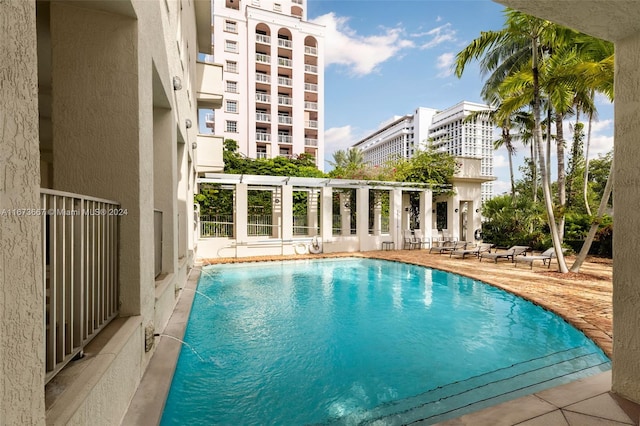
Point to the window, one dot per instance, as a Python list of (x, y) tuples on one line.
[(231, 26), (232, 66), (232, 126), (232, 106), (232, 86), (277, 7), (230, 46)]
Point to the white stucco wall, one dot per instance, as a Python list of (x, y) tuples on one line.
[(21, 313)]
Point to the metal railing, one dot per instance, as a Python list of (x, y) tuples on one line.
[(263, 137), (301, 227), (311, 124), (261, 38), (311, 105), (263, 97), (80, 240), (284, 100), (285, 81), (263, 78), (261, 116), (285, 119), (285, 62), (216, 226), (285, 139), (259, 225), (311, 50), (310, 142), (311, 68), (285, 43), (262, 58), (310, 87)]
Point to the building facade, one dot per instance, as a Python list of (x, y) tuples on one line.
[(274, 78), (449, 131), (99, 149)]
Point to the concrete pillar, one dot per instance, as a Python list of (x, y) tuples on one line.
[(241, 212), (377, 216), (362, 214), (22, 295), (286, 207), (426, 200), (326, 217), (345, 214), (406, 211), (395, 216), (103, 145), (626, 241)]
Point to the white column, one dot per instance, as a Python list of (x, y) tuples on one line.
[(312, 212), (286, 210), (241, 213), (345, 214), (326, 224), (395, 216), (377, 217), (362, 214)]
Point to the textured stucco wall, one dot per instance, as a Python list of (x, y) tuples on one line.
[(21, 292), (626, 282)]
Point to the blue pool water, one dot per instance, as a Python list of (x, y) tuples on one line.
[(362, 341)]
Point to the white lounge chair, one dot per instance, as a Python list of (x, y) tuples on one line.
[(511, 253), (545, 256), (475, 250)]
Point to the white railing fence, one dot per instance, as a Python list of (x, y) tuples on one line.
[(80, 238), (216, 226)]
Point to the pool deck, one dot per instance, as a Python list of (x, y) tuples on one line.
[(584, 300)]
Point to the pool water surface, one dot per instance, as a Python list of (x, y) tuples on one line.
[(362, 341)]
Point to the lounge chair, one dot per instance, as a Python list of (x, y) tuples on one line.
[(511, 253), (545, 256), (448, 246), (475, 250)]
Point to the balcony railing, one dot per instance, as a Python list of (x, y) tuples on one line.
[(284, 100), (263, 137), (311, 124), (285, 119), (285, 81), (311, 69), (310, 142), (310, 87), (216, 226), (261, 155), (296, 1), (209, 120), (311, 106), (285, 139), (80, 272), (262, 58), (263, 97), (285, 62), (263, 78), (284, 43), (261, 116), (310, 50), (264, 39)]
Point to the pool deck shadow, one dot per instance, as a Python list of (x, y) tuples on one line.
[(584, 300)]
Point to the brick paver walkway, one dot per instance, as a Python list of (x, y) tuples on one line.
[(584, 300)]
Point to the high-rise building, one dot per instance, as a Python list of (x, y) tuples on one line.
[(447, 130), (274, 77)]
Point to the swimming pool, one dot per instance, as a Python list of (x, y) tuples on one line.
[(362, 341)]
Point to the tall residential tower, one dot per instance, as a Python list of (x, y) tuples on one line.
[(274, 77), (447, 130)]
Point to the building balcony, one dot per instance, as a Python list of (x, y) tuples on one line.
[(287, 44), (263, 39), (310, 50), (80, 240), (263, 78), (310, 87), (209, 85), (261, 155), (263, 97), (296, 1), (312, 69), (285, 62), (261, 58), (285, 81), (209, 154), (285, 100), (285, 119), (288, 139), (311, 124), (203, 12), (312, 106), (262, 117), (310, 142), (263, 137)]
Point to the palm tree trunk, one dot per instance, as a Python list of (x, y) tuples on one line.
[(537, 135), (586, 246), (586, 166), (562, 193)]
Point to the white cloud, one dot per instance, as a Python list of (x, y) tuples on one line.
[(361, 55), (500, 161), (601, 136), (438, 35), (501, 187), (444, 64)]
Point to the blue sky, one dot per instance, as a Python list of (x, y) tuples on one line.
[(388, 57)]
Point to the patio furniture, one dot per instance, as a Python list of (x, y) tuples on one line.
[(448, 246), (472, 249), (545, 256), (387, 245), (511, 253), (409, 240)]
